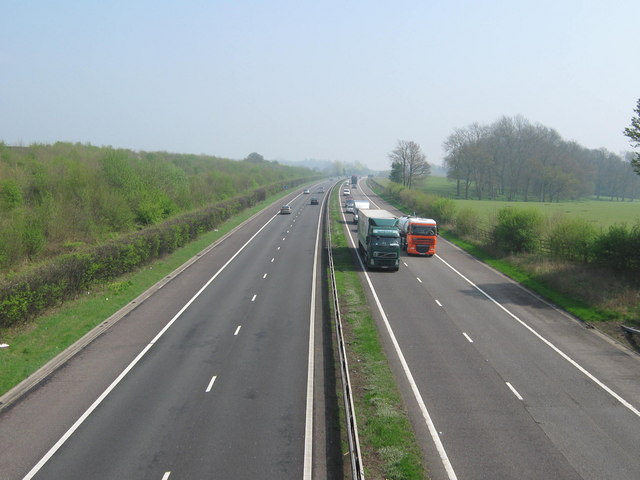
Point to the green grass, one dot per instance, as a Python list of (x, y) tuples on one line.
[(33, 345), (388, 443)]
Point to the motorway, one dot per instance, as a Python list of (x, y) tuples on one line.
[(499, 384), (219, 374)]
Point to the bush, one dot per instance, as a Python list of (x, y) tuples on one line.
[(444, 210), (518, 230), (619, 248), (572, 239), (467, 222)]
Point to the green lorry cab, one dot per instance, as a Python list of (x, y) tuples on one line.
[(379, 239)]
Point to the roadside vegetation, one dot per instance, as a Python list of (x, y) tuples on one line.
[(77, 216), (583, 256), (33, 344), (388, 443), (55, 199)]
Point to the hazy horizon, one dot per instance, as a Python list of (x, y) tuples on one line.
[(335, 81)]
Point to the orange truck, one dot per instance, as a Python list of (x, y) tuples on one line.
[(418, 236)]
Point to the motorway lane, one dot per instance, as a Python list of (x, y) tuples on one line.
[(251, 332), (463, 349)]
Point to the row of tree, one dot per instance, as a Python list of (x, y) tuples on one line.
[(513, 159)]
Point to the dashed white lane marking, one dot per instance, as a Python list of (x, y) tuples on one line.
[(467, 337), (438, 302), (404, 263), (254, 297), (515, 392), (418, 278), (237, 330), (38, 466), (264, 276), (272, 260), (588, 374), (166, 475), (210, 386), (278, 248), (283, 238)]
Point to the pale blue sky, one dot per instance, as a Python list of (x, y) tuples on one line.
[(333, 80)]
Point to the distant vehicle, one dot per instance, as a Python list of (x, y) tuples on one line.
[(284, 209), (359, 205), (321, 190), (314, 201), (346, 192), (354, 180), (418, 235), (306, 192), (379, 239), (349, 204)]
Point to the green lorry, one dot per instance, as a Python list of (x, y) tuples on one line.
[(379, 239)]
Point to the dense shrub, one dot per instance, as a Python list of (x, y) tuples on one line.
[(518, 230), (572, 239), (467, 222), (618, 247), (51, 195), (444, 210)]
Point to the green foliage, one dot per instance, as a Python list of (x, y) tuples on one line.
[(619, 248), (467, 222), (444, 210), (51, 195), (572, 239), (10, 195), (518, 230)]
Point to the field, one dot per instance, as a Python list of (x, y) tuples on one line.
[(599, 212)]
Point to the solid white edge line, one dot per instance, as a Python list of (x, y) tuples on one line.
[(308, 428), (515, 392), (444, 458), (108, 390), (210, 386), (547, 342)]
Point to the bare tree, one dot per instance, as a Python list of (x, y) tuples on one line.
[(408, 163)]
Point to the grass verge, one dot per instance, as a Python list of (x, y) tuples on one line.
[(388, 444), (33, 345)]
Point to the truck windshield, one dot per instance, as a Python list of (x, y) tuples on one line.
[(385, 241), (423, 229)]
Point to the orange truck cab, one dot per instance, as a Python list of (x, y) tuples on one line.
[(418, 236)]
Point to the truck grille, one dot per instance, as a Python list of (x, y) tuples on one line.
[(382, 255)]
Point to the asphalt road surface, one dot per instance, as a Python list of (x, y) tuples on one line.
[(500, 384), (219, 374)]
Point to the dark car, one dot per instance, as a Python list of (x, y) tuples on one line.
[(314, 201)]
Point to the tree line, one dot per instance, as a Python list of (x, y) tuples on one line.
[(513, 159)]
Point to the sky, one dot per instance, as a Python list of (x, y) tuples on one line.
[(330, 80)]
